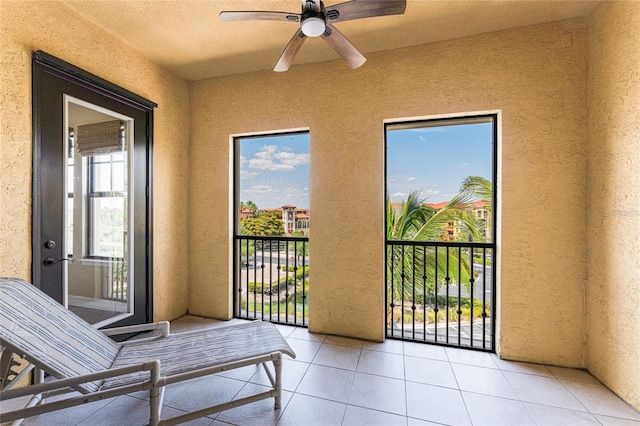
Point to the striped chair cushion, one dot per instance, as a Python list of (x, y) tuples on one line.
[(187, 351), (52, 337)]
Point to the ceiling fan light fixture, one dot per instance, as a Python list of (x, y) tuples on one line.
[(313, 26)]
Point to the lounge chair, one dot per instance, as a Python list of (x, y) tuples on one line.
[(79, 357)]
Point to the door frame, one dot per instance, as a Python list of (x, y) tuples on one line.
[(43, 62)]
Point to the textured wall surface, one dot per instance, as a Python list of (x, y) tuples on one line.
[(15, 159), (52, 27), (535, 75), (614, 198)]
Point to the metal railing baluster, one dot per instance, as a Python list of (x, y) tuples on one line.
[(271, 279), (447, 278), (459, 309), (410, 291)]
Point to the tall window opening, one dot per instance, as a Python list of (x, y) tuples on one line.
[(440, 231), (272, 227)]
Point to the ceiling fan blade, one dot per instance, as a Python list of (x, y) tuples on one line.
[(356, 9), (343, 46), (259, 16), (290, 51)]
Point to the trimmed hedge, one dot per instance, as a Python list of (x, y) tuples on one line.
[(284, 281), (465, 302)]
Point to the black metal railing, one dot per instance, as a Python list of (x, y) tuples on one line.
[(271, 279), (117, 288), (441, 292)]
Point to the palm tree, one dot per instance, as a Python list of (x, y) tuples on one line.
[(477, 188), (414, 268), (251, 206)]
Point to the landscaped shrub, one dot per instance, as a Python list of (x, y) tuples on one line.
[(452, 302), (429, 315)]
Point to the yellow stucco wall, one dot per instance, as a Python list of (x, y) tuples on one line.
[(536, 76), (52, 27), (614, 198)]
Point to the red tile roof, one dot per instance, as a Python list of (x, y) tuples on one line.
[(437, 206)]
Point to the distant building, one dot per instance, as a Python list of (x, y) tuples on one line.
[(302, 220), (293, 219), (289, 218), (479, 209), (247, 214)]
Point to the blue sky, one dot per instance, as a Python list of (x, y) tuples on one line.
[(435, 160), (274, 170)]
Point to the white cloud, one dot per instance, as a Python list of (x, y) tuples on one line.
[(271, 159), (412, 178), (270, 165), (463, 165), (260, 190), (399, 194), (292, 193), (293, 159), (245, 174)]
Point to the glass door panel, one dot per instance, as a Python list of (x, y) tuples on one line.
[(97, 277)]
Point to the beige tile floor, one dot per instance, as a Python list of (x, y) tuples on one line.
[(340, 381)]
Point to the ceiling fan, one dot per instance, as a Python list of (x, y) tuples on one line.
[(316, 20)]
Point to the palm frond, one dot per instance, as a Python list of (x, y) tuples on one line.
[(477, 188)]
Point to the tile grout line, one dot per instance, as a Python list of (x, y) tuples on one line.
[(458, 388)]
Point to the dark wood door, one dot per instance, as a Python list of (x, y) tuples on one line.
[(91, 194)]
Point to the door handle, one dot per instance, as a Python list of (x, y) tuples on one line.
[(51, 261)]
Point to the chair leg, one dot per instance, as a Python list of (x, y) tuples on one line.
[(277, 363), (156, 395)]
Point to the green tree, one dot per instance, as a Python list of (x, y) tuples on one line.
[(251, 206), (414, 221), (475, 188), (301, 248), (265, 224)]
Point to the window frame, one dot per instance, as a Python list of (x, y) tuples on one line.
[(495, 117), (92, 195)]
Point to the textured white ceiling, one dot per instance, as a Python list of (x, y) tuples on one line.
[(187, 37)]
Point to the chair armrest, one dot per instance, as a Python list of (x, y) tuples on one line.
[(152, 366), (36, 405), (163, 326)]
